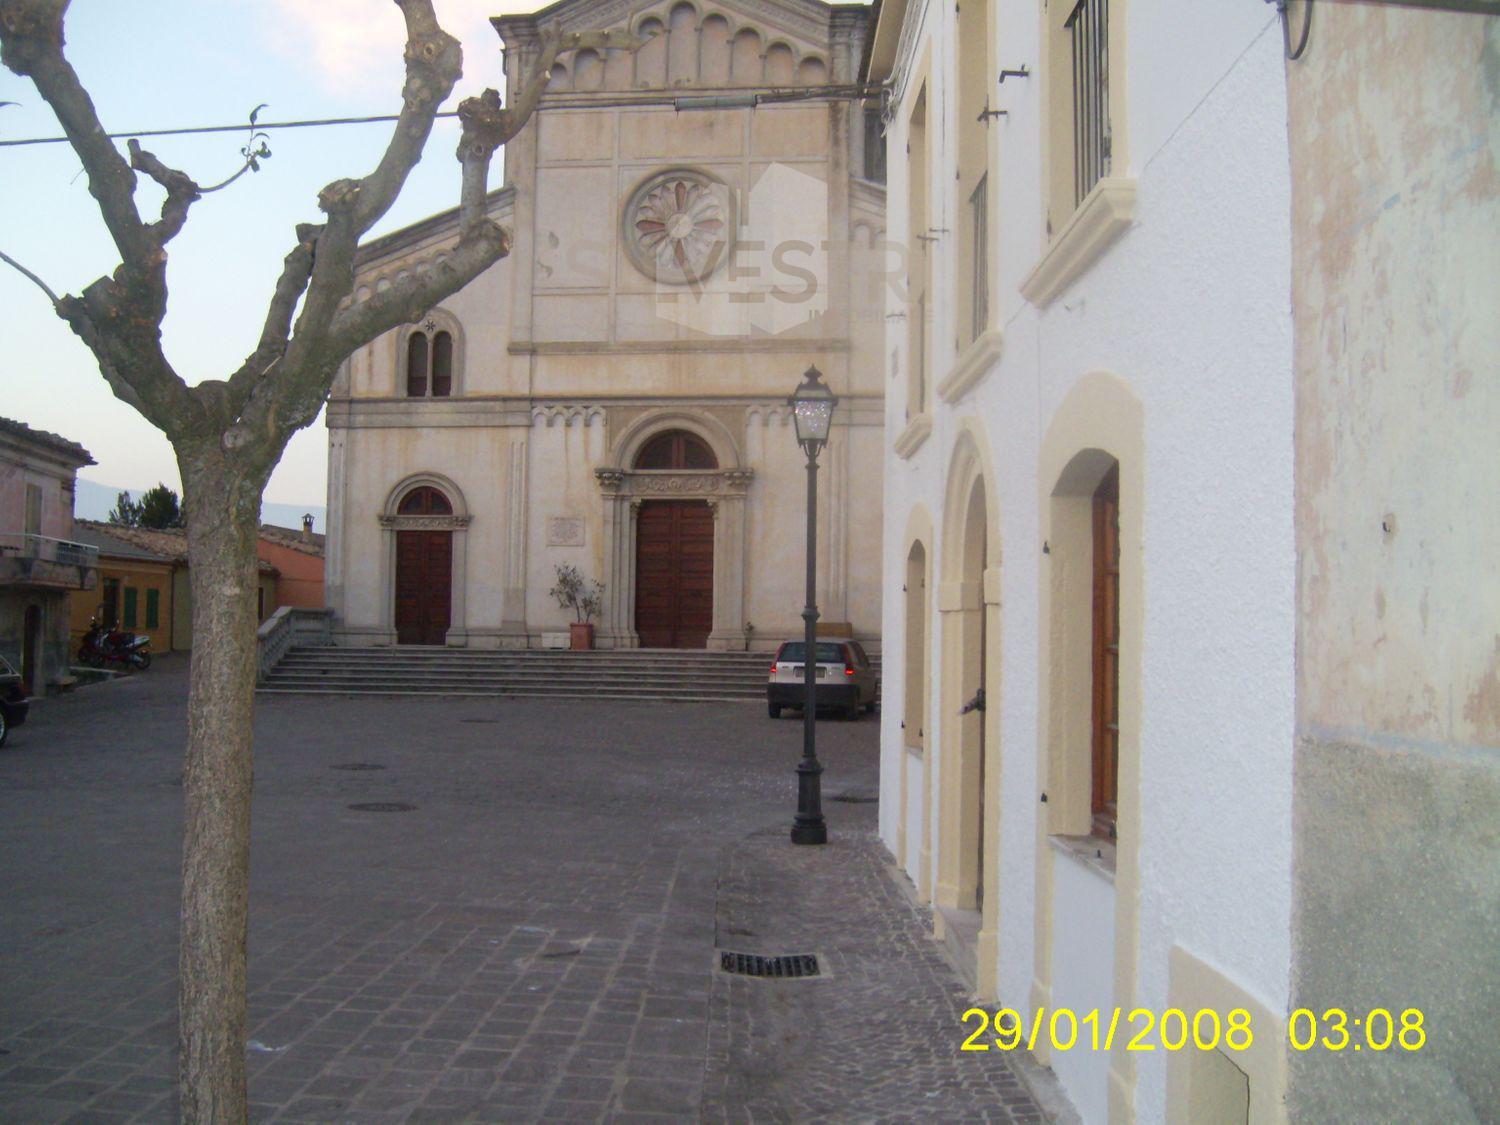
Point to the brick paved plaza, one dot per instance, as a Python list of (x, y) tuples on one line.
[(533, 940)]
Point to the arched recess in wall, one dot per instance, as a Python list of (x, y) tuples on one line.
[(914, 784), (747, 62), (588, 70), (969, 763), (780, 65), (636, 434), (812, 71), (1092, 456), (424, 563), (713, 68), (651, 58), (682, 47)]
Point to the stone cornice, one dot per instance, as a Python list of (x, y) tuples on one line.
[(691, 483), (1105, 214), (425, 523), (910, 439), (971, 367)]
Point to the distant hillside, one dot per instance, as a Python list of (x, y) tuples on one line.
[(94, 501)]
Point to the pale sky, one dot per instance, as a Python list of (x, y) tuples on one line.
[(170, 63)]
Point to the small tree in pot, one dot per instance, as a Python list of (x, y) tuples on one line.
[(583, 597)]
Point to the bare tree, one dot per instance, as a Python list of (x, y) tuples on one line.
[(228, 434)]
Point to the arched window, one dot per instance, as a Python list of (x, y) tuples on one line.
[(676, 449), (424, 501), (429, 362)]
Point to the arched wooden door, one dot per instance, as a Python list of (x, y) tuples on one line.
[(674, 559), (424, 573)]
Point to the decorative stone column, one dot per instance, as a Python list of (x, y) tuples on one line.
[(729, 577), (615, 626)]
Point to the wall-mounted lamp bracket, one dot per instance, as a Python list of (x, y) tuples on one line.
[(1024, 72)]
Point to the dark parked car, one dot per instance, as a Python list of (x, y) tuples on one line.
[(845, 678), (13, 705)]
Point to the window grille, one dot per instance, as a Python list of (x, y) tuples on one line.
[(874, 146), (1089, 26), (980, 216)]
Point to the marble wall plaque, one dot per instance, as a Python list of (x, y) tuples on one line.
[(564, 531)]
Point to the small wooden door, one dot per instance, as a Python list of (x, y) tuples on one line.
[(674, 574)]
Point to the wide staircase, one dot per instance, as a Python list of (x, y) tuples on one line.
[(642, 674)]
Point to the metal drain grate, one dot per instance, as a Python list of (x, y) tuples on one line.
[(356, 766), (383, 806), (790, 966)]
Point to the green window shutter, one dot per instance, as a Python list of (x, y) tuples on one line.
[(153, 608), (131, 596)]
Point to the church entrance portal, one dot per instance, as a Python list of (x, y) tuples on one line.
[(674, 574), (674, 550)]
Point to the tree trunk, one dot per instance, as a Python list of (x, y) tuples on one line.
[(223, 509)]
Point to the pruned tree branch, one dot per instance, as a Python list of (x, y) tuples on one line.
[(33, 278), (181, 191), (434, 63), (296, 271), (31, 44)]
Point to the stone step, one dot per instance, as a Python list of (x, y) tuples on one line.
[(620, 674), (362, 677), (582, 678), (560, 691)]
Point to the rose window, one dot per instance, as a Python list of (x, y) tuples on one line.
[(677, 225)]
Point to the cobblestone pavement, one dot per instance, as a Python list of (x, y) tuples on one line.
[(532, 940)]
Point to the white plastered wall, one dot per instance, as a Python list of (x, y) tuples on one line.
[(1190, 308)]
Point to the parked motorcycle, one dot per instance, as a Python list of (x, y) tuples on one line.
[(102, 646)]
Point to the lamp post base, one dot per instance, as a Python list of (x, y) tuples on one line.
[(809, 827)]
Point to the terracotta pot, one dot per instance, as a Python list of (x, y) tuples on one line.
[(580, 635)]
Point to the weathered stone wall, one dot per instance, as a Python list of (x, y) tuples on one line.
[(1395, 118)]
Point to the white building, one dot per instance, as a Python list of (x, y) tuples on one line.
[(612, 395), (1094, 514)]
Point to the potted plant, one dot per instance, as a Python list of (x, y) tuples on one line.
[(583, 597)]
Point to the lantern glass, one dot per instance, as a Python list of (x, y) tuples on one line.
[(812, 409)]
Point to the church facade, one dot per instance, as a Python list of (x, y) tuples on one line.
[(693, 225)]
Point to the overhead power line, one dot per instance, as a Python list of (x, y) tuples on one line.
[(741, 98)]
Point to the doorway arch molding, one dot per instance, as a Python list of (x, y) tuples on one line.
[(918, 552), (391, 521), (625, 488), (1101, 420), (968, 605)]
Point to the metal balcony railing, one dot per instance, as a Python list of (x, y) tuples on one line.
[(23, 545)]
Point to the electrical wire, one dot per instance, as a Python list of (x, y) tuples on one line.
[(763, 95), (1286, 30)]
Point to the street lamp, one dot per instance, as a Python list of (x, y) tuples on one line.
[(812, 406)]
